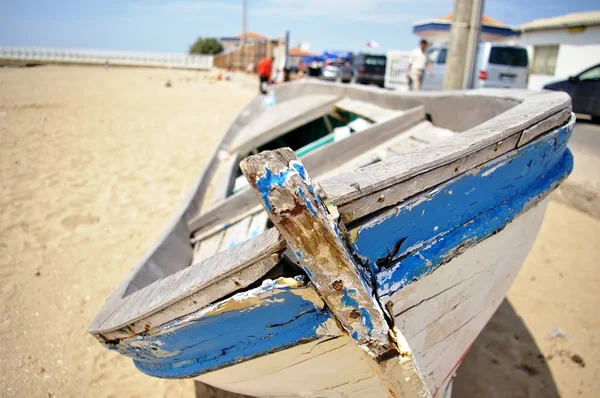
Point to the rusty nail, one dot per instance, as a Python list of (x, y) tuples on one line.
[(338, 285)]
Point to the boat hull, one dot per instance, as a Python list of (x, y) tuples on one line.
[(445, 311), (373, 282)]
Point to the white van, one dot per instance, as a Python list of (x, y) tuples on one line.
[(496, 65)]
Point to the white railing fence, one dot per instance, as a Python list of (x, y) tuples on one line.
[(395, 70), (105, 57)]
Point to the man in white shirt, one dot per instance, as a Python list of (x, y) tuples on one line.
[(417, 63)]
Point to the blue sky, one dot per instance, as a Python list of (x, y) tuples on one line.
[(171, 26)]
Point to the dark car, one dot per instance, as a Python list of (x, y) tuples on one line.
[(584, 90), (369, 69)]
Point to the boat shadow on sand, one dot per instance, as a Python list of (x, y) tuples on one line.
[(504, 361)]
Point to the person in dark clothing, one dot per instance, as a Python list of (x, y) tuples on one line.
[(264, 70)]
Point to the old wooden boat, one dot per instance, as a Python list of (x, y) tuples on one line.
[(373, 280)]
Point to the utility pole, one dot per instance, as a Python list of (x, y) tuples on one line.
[(287, 49), (474, 33), (286, 65), (243, 38), (457, 47)]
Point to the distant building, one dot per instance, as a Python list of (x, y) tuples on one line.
[(561, 46), (232, 43), (437, 30), (296, 54)]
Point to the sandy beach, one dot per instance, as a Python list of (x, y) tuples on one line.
[(94, 162)]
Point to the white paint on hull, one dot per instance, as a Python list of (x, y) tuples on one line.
[(440, 315), (330, 367)]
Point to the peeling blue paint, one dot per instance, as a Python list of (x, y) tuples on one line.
[(310, 206), (405, 228), (350, 301), (308, 273), (300, 170), (269, 180), (302, 173), (282, 320), (425, 261), (265, 183)]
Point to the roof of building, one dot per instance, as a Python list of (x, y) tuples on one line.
[(587, 18), (300, 52), (490, 27), (485, 20), (253, 35), (250, 36)]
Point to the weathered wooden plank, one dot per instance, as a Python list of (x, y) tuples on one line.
[(405, 189), (532, 110), (433, 134), (258, 224), (122, 311), (545, 125), (235, 234), (396, 193), (222, 213), (281, 183), (367, 110), (405, 145), (207, 232), (207, 247), (198, 300)]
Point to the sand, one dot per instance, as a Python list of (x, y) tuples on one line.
[(94, 163)]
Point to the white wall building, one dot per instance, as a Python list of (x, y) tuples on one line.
[(560, 47)]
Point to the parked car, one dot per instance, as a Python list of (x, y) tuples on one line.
[(584, 90), (338, 71), (369, 69), (496, 65)]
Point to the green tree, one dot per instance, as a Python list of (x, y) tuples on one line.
[(208, 45)]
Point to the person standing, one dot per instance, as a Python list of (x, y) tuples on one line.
[(417, 63), (264, 70)]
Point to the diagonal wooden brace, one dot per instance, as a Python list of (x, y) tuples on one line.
[(280, 181)]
